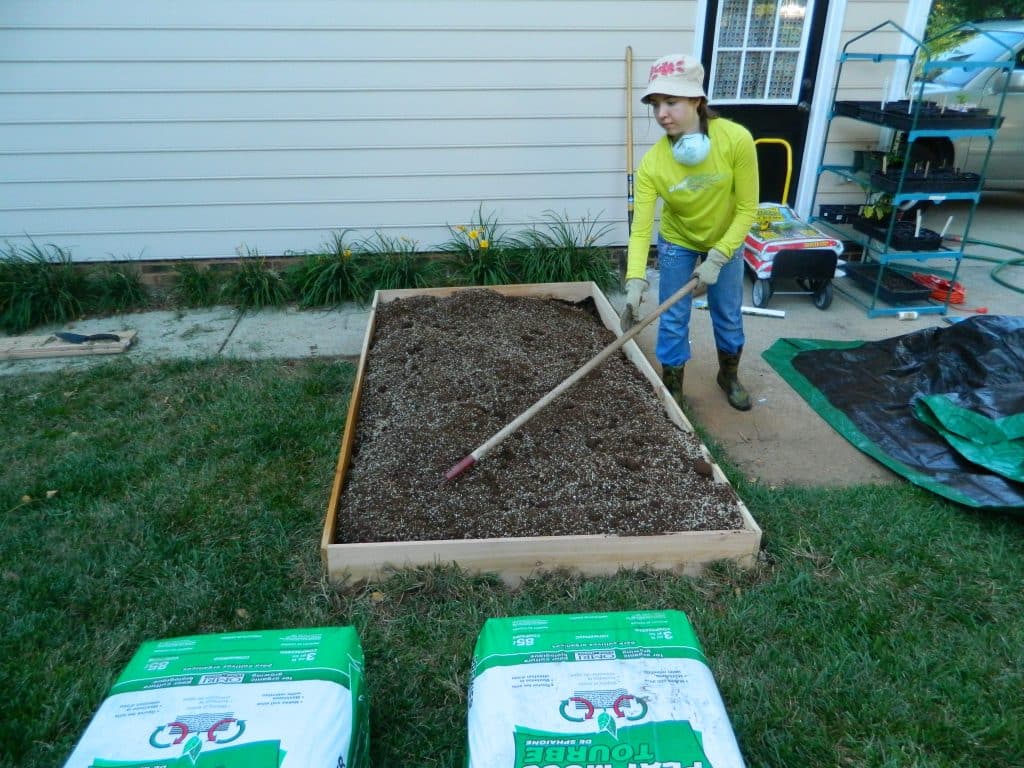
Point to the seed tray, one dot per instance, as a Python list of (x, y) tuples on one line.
[(893, 287), (903, 237), (935, 182)]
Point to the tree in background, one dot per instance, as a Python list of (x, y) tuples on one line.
[(947, 13)]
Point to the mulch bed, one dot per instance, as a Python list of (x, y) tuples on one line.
[(445, 374)]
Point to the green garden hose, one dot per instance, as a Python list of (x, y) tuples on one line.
[(1001, 264)]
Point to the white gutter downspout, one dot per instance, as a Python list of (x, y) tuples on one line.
[(828, 64)]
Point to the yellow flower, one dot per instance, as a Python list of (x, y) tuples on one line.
[(473, 234), (461, 228), (346, 254), (485, 244)]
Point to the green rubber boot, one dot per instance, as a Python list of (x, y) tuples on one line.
[(672, 378), (728, 380)]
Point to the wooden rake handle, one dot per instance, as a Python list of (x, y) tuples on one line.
[(500, 436)]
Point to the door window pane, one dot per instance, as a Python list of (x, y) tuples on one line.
[(762, 25), (755, 75), (783, 75), (732, 22), (759, 50), (727, 74)]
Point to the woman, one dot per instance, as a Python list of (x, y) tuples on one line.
[(705, 173)]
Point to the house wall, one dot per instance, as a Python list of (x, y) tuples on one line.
[(143, 129)]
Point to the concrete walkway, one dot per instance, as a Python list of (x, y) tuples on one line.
[(781, 441), (218, 331)]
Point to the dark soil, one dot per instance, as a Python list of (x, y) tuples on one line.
[(445, 374)]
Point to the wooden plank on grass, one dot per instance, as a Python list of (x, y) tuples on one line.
[(31, 347)]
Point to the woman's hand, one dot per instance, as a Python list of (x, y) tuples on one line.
[(708, 270), (635, 288)]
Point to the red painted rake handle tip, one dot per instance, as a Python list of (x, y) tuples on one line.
[(461, 467)]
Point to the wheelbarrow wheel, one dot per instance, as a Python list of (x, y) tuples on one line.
[(761, 292), (823, 295)]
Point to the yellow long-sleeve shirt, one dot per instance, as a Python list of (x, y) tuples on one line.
[(708, 205)]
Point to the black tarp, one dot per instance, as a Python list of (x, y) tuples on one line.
[(867, 392)]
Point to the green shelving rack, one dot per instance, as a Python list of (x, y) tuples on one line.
[(884, 252)]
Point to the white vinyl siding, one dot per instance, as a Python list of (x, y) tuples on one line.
[(143, 129)]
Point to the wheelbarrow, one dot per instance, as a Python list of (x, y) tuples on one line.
[(782, 251)]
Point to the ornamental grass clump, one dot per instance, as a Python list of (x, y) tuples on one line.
[(387, 263), (196, 286), (329, 278), (255, 284), (39, 285), (116, 287), (480, 253), (565, 250)]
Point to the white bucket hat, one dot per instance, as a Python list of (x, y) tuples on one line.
[(675, 75)]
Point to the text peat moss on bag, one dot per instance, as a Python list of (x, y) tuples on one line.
[(611, 690), (265, 699)]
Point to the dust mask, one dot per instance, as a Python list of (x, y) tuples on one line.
[(691, 148)]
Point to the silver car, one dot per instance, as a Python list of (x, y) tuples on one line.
[(955, 86)]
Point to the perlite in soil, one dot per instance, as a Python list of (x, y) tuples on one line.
[(267, 699), (611, 690)]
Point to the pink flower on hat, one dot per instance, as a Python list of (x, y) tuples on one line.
[(667, 68)]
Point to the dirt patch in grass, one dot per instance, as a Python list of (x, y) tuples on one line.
[(445, 374)]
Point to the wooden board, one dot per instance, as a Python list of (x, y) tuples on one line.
[(30, 347), (517, 558)]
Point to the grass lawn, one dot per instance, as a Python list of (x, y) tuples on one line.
[(883, 626)]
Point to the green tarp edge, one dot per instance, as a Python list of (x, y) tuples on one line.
[(995, 444), (780, 356)]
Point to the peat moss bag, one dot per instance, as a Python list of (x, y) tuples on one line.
[(266, 699), (609, 690)]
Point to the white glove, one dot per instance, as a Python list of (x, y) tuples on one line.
[(635, 288), (708, 270)]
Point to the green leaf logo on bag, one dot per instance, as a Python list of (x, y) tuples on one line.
[(192, 749)]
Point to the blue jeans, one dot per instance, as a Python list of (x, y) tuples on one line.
[(725, 302)]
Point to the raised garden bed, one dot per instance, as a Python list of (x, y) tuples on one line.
[(609, 475)]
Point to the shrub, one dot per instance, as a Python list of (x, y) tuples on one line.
[(329, 278), (255, 284), (387, 263), (480, 253), (196, 286), (565, 250), (116, 288), (38, 285)]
